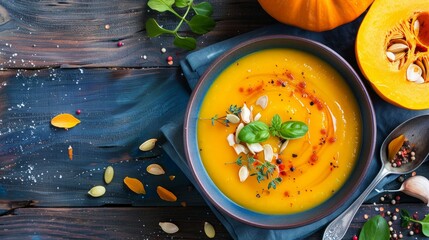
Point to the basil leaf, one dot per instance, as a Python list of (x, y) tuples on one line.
[(276, 123), (160, 5), (182, 3), (204, 9), (376, 228), (293, 129), (405, 218), (425, 225), (153, 29), (254, 132), (201, 24), (187, 43)]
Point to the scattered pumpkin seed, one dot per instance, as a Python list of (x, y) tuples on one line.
[(268, 152), (155, 169), (262, 101), (108, 174), (134, 185), (209, 230), (243, 173), (148, 145), (169, 227), (165, 195), (232, 118), (245, 114), (97, 191)]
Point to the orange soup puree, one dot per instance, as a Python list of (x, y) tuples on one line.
[(299, 87)]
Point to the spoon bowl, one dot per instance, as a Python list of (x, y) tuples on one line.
[(416, 131)]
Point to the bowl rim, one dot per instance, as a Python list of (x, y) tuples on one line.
[(365, 105)]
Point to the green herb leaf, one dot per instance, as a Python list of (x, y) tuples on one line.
[(161, 5), (201, 24), (182, 3), (254, 132), (187, 43), (293, 129), (276, 124), (376, 228), (153, 29), (405, 218), (204, 9), (425, 225)]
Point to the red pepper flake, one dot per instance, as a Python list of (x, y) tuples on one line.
[(281, 167), (283, 173), (332, 139), (241, 89), (302, 85), (290, 76), (313, 158), (286, 194), (323, 131)]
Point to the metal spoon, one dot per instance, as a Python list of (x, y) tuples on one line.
[(416, 130)]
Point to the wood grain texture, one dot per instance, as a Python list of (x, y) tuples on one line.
[(72, 33)]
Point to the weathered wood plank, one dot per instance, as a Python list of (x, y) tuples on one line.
[(72, 33), (142, 223), (120, 109)]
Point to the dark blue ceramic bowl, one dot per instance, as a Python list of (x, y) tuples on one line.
[(210, 190)]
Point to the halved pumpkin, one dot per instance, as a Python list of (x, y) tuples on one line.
[(315, 15), (392, 51)]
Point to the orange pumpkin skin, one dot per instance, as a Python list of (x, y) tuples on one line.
[(385, 23), (315, 15)]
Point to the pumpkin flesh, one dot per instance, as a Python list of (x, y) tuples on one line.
[(315, 15), (386, 23)]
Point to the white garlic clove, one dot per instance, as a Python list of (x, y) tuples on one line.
[(418, 187)]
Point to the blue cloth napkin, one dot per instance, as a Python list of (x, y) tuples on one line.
[(340, 40)]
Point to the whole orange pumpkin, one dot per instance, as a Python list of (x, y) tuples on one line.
[(315, 15)]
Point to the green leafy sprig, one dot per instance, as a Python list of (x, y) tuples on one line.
[(262, 170), (200, 23), (233, 109), (258, 131), (406, 219)]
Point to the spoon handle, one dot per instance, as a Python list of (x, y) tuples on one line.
[(338, 228)]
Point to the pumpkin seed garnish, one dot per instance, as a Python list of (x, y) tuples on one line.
[(262, 101), (169, 227), (209, 230), (108, 174), (243, 173), (232, 118), (148, 145), (97, 191), (155, 169)]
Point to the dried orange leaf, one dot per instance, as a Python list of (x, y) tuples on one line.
[(64, 120), (134, 185), (394, 146), (165, 195)]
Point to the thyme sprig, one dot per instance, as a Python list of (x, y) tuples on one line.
[(262, 170), (233, 109)]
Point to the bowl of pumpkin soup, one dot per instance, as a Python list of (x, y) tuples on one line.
[(279, 132)]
